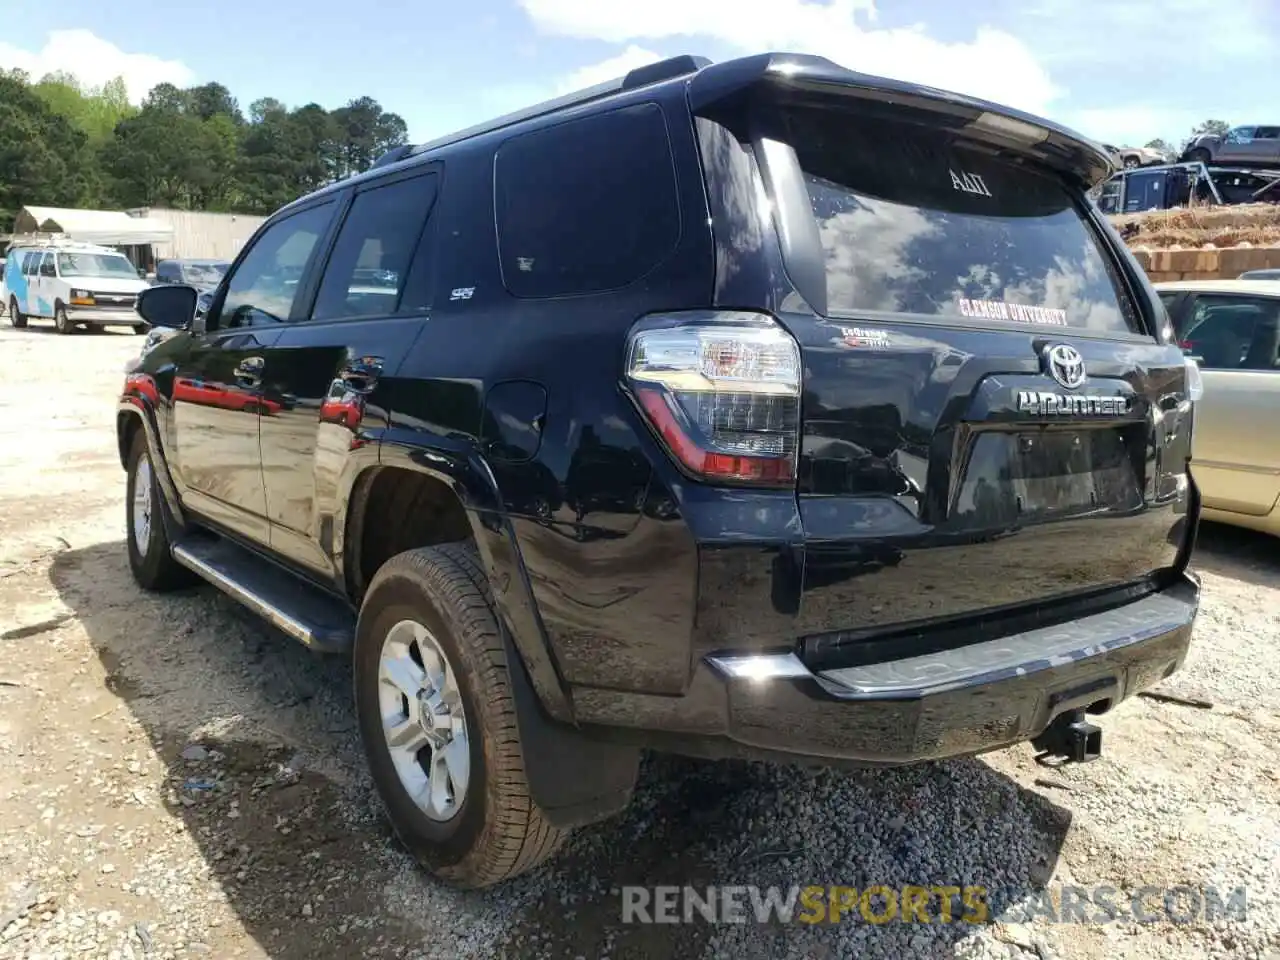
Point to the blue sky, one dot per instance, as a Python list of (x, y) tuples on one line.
[(1118, 70)]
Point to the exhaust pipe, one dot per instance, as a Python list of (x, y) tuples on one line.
[(1070, 738)]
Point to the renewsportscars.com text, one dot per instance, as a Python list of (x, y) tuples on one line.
[(939, 903)]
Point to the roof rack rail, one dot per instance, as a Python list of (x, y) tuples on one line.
[(668, 69), (45, 239)]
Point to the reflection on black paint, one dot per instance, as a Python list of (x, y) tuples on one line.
[(604, 478)]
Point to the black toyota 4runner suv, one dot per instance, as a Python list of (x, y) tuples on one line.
[(756, 409)]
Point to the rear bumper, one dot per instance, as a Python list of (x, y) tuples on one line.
[(964, 701)]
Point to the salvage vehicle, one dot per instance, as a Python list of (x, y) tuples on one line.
[(74, 284), (678, 418), (1243, 146), (1231, 328), (1132, 157)]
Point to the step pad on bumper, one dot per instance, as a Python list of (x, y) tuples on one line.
[(968, 700), (1016, 655)]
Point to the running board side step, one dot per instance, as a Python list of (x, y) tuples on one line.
[(306, 613)]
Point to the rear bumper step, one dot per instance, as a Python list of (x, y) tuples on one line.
[(967, 700), (964, 701)]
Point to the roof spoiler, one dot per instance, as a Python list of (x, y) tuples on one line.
[(1051, 144), (652, 73)]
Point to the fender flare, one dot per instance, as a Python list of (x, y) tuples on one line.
[(471, 481), (135, 407), (573, 778)]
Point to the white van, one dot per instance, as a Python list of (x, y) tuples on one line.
[(71, 283)]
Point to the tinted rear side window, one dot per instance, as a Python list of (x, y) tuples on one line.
[(913, 222), (370, 261), (586, 206)]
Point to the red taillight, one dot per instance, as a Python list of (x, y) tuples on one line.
[(722, 391), (1187, 344)]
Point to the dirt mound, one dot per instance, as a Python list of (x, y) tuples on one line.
[(1254, 224)]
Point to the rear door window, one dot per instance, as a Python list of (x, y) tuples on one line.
[(1232, 333), (914, 222), (366, 272)]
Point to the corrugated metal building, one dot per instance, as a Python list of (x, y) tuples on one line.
[(201, 236), (146, 235)]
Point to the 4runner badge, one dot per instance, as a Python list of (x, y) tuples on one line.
[(968, 183), (1039, 403)]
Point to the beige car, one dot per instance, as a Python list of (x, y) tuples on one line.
[(1231, 328)]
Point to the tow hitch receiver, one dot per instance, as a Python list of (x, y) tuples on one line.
[(1071, 738)]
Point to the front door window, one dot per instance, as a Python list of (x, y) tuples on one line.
[(263, 288)]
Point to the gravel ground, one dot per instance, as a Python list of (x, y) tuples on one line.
[(180, 781)]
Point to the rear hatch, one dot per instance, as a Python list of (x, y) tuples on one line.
[(994, 424)]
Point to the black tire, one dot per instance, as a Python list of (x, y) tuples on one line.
[(1131, 162), (496, 832), (1198, 155), (16, 316), (61, 319), (153, 567)]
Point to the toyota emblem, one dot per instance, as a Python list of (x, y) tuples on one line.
[(1065, 365)]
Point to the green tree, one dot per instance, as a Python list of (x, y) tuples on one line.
[(92, 110), (191, 148), (1215, 128), (213, 100), (44, 158), (167, 98), (259, 110), (157, 158), (365, 132), (269, 158), (315, 143)]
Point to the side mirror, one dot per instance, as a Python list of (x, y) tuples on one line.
[(168, 305)]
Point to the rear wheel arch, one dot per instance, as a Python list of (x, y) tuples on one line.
[(400, 509), (469, 510), (392, 510)]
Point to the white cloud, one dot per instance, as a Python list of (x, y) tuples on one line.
[(1163, 36), (993, 64), (94, 61), (618, 66), (1134, 124), (1130, 92)]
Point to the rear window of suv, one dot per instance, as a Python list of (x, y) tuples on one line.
[(588, 205), (912, 222)]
